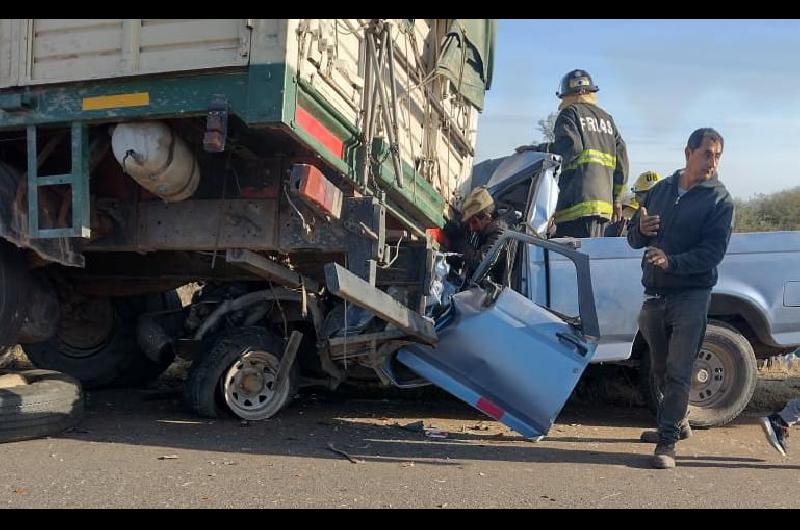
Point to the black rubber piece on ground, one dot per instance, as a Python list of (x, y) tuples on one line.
[(50, 403)]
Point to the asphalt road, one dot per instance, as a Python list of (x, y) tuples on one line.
[(141, 449)]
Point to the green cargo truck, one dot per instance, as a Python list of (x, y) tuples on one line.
[(297, 170)]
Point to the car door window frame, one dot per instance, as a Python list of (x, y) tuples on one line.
[(587, 310)]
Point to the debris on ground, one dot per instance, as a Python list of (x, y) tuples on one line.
[(416, 426), (432, 432), (345, 454), (419, 427), (76, 430), (168, 457)]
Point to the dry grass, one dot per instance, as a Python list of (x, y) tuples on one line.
[(185, 292), (14, 359), (177, 371), (778, 382)]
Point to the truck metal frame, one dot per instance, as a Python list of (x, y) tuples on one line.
[(304, 134)]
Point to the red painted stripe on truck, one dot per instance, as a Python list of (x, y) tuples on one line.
[(313, 127)]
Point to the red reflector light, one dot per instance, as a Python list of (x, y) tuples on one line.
[(436, 234), (319, 192)]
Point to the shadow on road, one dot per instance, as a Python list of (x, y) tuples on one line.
[(367, 431)]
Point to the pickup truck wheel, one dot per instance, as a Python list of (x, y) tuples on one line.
[(723, 380), (38, 403), (96, 342), (237, 374)]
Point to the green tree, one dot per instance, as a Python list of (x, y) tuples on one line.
[(546, 127), (777, 211)]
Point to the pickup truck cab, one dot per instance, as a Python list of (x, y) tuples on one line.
[(516, 351)]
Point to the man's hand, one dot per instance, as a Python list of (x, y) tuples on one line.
[(616, 213), (655, 256), (648, 224)]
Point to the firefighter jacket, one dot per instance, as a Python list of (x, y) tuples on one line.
[(594, 162)]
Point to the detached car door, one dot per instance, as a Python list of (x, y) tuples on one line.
[(506, 356)]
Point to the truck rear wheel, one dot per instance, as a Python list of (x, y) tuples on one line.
[(237, 374), (96, 342), (723, 379), (13, 279)]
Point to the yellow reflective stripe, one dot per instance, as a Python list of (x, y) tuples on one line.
[(583, 209), (592, 156), (116, 101)]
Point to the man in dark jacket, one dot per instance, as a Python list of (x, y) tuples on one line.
[(685, 223), (594, 160)]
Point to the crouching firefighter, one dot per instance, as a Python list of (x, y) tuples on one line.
[(480, 229)]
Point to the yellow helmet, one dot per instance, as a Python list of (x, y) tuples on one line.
[(479, 199), (629, 201), (645, 181)]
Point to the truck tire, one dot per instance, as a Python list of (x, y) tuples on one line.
[(13, 279), (49, 403), (101, 350), (218, 378), (723, 380), (6, 356)]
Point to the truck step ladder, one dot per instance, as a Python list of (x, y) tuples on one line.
[(77, 179)]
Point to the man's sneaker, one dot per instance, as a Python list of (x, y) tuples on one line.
[(664, 456), (777, 431), (651, 437)]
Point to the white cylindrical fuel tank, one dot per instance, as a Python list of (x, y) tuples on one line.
[(156, 158)]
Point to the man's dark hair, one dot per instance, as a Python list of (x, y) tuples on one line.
[(696, 138)]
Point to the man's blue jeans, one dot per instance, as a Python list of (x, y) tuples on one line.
[(674, 326)]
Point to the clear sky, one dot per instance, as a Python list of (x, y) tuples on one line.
[(660, 80)]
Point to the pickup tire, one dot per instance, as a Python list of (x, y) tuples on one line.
[(100, 349), (237, 375), (723, 380), (49, 403)]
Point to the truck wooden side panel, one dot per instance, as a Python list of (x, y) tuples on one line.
[(64, 50)]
